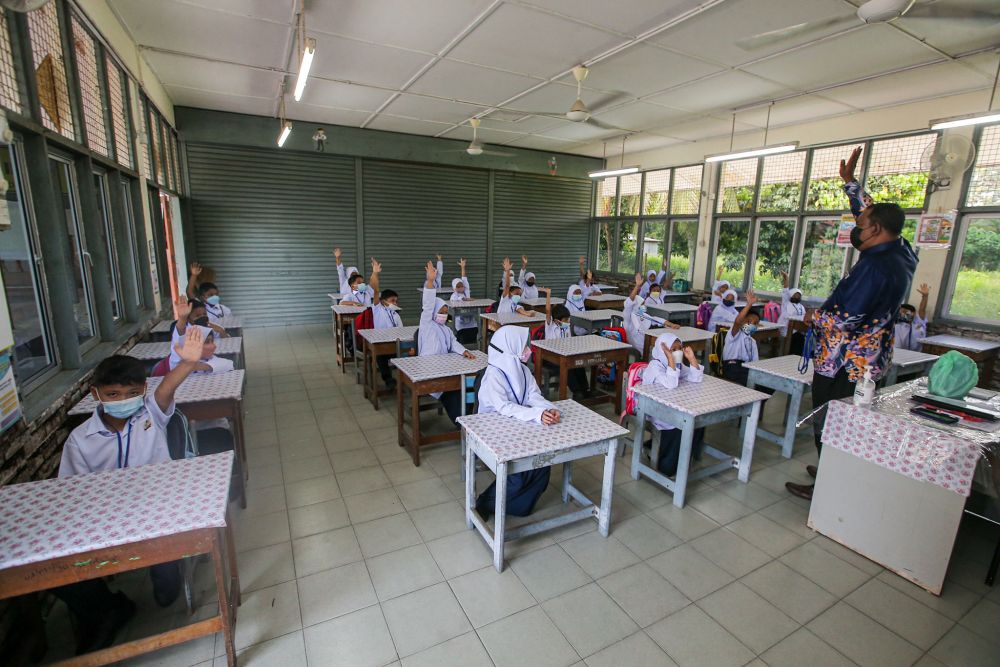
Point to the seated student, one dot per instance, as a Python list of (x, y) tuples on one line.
[(791, 305), (353, 289), (128, 429), (655, 296), (208, 294), (526, 279), (510, 299), (384, 316), (435, 337), (190, 315), (740, 346), (466, 327), (667, 368), (719, 288), (557, 325), (508, 387), (637, 320), (724, 313), (575, 304), (911, 325), (659, 280), (587, 280), (509, 275)]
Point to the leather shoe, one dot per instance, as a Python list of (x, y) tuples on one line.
[(804, 491), (812, 471)]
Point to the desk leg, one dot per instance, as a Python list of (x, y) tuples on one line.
[(470, 482), (683, 463), (374, 380), (986, 377), (564, 377), (538, 370), (500, 517), (791, 417), (239, 444), (415, 426), (226, 611), (400, 413), (749, 433), (640, 432), (567, 478), (607, 488), (892, 375), (234, 573)]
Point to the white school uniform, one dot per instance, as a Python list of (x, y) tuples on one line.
[(575, 307), (343, 275), (908, 333), (385, 317), (216, 313), (659, 372), (654, 300), (527, 291), (177, 340), (636, 325), (587, 289), (554, 330), (508, 387), (723, 314), (463, 321), (440, 275), (434, 338), (647, 285), (715, 288), (739, 347), (506, 305), (789, 310), (94, 447)]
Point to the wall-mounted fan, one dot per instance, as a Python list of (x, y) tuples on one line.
[(23, 5), (476, 147), (946, 160)]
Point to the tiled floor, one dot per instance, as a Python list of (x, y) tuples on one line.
[(350, 555)]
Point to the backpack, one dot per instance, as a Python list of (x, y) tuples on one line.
[(606, 373), (715, 353), (633, 378), (704, 314), (537, 333), (161, 368), (772, 311), (364, 320)]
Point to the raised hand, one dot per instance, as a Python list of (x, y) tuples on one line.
[(847, 168), (461, 264), (751, 297), (924, 289), (431, 271), (195, 269), (638, 279), (507, 264), (194, 339), (583, 260), (689, 355), (376, 266), (440, 258), (182, 309), (336, 253), (524, 260)]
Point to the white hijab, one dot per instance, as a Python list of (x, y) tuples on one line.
[(455, 295), (434, 338), (659, 365), (505, 356), (732, 308), (572, 304)]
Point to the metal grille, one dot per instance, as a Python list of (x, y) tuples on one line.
[(786, 168), (154, 131), (984, 186), (824, 189), (606, 189), (10, 89), (90, 88), (899, 156), (686, 198), (826, 161), (119, 113), (50, 70), (657, 191), (628, 194), (177, 162), (737, 182), (144, 149), (168, 157)]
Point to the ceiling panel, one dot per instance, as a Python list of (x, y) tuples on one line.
[(270, 10), (543, 143), (464, 132), (703, 128), (426, 26), (956, 36), (457, 80), (871, 50), (216, 77), (640, 115), (407, 125), (631, 18), (728, 90), (796, 110), (323, 93), (325, 115), (714, 34), (207, 99), (530, 42), (345, 59), (922, 83), (580, 131), (427, 108), (644, 69)]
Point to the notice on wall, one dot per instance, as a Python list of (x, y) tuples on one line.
[(934, 230), (10, 406), (847, 223), (152, 267)]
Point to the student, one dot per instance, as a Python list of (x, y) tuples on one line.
[(655, 297), (911, 325), (508, 387), (557, 325), (510, 299), (526, 279), (587, 280), (575, 304), (791, 305), (466, 327), (190, 315), (508, 275), (637, 320), (384, 316), (440, 273), (208, 294), (435, 337), (725, 313), (656, 280), (128, 429), (740, 346), (353, 289), (667, 368)]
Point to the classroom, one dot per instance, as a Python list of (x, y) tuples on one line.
[(496, 333)]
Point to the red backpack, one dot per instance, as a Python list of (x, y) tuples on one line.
[(161, 368), (364, 320), (634, 377), (537, 333), (772, 311), (704, 314)]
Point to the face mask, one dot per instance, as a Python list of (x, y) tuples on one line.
[(906, 319), (526, 355), (749, 329), (796, 299), (531, 283), (678, 356), (728, 303), (576, 298), (213, 300), (654, 295), (360, 287), (516, 299), (123, 409), (856, 239), (201, 321), (642, 310), (564, 328), (441, 318)]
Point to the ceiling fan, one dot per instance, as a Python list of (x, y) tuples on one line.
[(873, 11), (476, 147), (579, 112)]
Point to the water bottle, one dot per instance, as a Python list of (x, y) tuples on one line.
[(864, 390)]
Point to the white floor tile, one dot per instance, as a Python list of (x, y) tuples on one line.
[(527, 633), (424, 618)]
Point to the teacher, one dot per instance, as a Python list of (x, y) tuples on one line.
[(853, 330)]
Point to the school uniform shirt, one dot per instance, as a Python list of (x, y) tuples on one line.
[(216, 313), (554, 330), (654, 298), (575, 307), (434, 338), (527, 291), (365, 298), (343, 275), (722, 314), (463, 321), (385, 317), (508, 387), (506, 305), (219, 365), (587, 289), (739, 347), (647, 285), (908, 333), (789, 310), (93, 446), (637, 325), (717, 298), (659, 372), (177, 340)]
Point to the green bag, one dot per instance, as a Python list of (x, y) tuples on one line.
[(953, 375)]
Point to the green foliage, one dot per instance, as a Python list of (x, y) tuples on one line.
[(737, 199), (982, 248), (976, 295), (628, 205), (778, 197), (984, 188), (774, 250), (826, 194), (685, 201), (907, 190), (656, 203)]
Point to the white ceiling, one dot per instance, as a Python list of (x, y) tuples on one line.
[(669, 70)]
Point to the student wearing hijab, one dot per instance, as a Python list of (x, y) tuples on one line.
[(637, 320), (508, 387), (667, 368), (440, 273), (353, 289), (791, 305), (575, 304), (510, 299), (526, 279), (725, 313), (557, 325), (466, 327), (718, 289), (435, 337), (656, 281), (911, 324), (587, 279)]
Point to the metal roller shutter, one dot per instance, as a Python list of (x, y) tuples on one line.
[(267, 222), (413, 212), (545, 217)]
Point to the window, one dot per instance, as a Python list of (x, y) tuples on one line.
[(683, 241), (657, 192), (654, 237), (606, 191), (628, 232), (823, 261), (133, 238), (23, 281), (87, 68), (781, 182), (825, 190), (629, 188), (119, 113), (772, 253), (737, 186), (178, 181), (10, 86), (984, 182), (104, 208), (154, 131), (50, 70), (976, 273), (731, 251), (894, 170), (605, 242), (145, 151), (83, 305), (686, 192)]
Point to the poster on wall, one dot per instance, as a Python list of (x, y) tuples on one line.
[(847, 223), (934, 230), (10, 406), (152, 268)]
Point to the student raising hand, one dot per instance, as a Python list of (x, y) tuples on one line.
[(337, 254), (182, 309), (507, 264), (195, 269), (431, 275), (376, 266), (190, 354)]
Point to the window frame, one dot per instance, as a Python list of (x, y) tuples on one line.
[(128, 219), (104, 210), (953, 267)]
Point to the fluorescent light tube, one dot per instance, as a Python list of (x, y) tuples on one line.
[(753, 152), (613, 172), (286, 129), (307, 61), (962, 121)]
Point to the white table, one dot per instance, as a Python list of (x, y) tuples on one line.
[(379, 343), (696, 338), (232, 324), (490, 322), (679, 313), (978, 350), (600, 287), (343, 330), (468, 308), (908, 362), (690, 406), (335, 297), (670, 296), (224, 347), (507, 446), (781, 374), (603, 301), (540, 302), (593, 320)]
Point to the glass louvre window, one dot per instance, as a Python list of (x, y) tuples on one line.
[(628, 232), (83, 307), (825, 191), (119, 113), (133, 238), (10, 86), (605, 242), (984, 182), (772, 253), (781, 182), (731, 253), (606, 190), (104, 208), (975, 294), (87, 67), (823, 262), (737, 186), (657, 192), (629, 188), (168, 159), (154, 131), (50, 70), (175, 147), (145, 150), (683, 241), (894, 171), (653, 242), (686, 193)]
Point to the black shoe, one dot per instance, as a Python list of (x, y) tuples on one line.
[(104, 632), (804, 491), (167, 589), (812, 471)]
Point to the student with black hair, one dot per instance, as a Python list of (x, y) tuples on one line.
[(740, 346), (208, 294), (127, 429), (384, 316), (557, 325), (353, 289)]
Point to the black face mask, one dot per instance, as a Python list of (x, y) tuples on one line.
[(201, 321), (531, 283), (796, 299), (856, 240)]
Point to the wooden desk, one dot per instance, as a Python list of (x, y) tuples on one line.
[(781, 374), (71, 529), (202, 397), (604, 302), (232, 324), (507, 446), (670, 296), (581, 352), (981, 351), (490, 322), (471, 308), (380, 343), (343, 330), (696, 339), (908, 362), (539, 303), (231, 347), (593, 320), (678, 313), (601, 287), (794, 326), (422, 376)]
